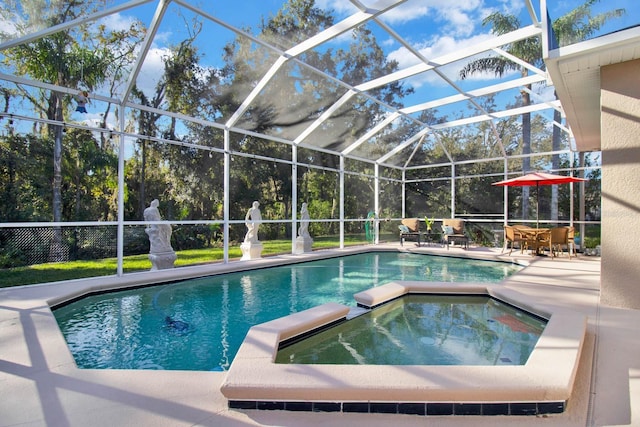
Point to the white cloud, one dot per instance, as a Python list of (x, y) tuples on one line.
[(340, 6), (458, 26), (152, 69), (511, 7), (8, 27), (406, 13), (153, 65), (117, 22), (437, 48)]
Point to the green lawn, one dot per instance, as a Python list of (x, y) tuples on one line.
[(54, 272)]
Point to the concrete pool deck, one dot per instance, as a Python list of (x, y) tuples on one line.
[(40, 384)]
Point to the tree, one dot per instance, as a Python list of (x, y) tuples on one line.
[(182, 88), (66, 60), (575, 26), (89, 178), (297, 96), (25, 176), (528, 50)]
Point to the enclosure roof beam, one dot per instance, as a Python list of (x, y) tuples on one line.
[(532, 13), (496, 115), (146, 45), (390, 118), (429, 65), (330, 33), (343, 26), (520, 62), (419, 136), (484, 91), (514, 36), (70, 24)]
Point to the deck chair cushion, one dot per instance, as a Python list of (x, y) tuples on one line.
[(456, 224), (447, 229), (413, 225), (409, 229)]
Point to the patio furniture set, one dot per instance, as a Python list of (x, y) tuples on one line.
[(452, 232), (539, 240)]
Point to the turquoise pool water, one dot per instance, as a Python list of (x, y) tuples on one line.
[(425, 330), (199, 324)]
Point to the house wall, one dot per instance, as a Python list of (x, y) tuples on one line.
[(620, 107)]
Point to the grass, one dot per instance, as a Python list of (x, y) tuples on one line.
[(54, 272)]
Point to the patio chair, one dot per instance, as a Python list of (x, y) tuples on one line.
[(560, 239), (409, 229), (571, 235), (513, 236), (528, 236), (453, 231)]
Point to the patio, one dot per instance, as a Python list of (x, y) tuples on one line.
[(597, 95), (42, 386)]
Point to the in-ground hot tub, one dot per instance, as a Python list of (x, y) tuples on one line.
[(542, 385), (423, 329)]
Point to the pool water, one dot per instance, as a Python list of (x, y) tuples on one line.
[(199, 324), (425, 330)]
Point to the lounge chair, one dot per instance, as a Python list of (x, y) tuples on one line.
[(409, 230), (453, 231)]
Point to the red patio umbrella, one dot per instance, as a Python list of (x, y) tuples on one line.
[(537, 179)]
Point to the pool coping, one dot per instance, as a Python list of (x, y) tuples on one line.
[(254, 381)]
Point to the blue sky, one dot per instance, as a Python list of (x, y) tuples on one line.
[(434, 27)]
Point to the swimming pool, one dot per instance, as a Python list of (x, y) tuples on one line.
[(199, 324)]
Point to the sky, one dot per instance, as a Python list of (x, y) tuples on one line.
[(433, 27)]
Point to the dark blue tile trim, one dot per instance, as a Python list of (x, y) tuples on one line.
[(383, 408), (524, 409), (243, 404), (327, 407), (270, 406), (408, 408), (551, 407), (439, 408), (298, 406), (362, 407), (412, 408), (467, 409), (495, 409)]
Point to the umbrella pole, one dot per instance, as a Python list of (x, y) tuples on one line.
[(537, 204)]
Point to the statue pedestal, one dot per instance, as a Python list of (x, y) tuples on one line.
[(251, 250), (162, 260), (303, 244)]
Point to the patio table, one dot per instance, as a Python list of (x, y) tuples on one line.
[(538, 237), (431, 238)]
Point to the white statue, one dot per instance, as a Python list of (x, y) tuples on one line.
[(303, 230), (304, 240), (252, 220), (161, 253)]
